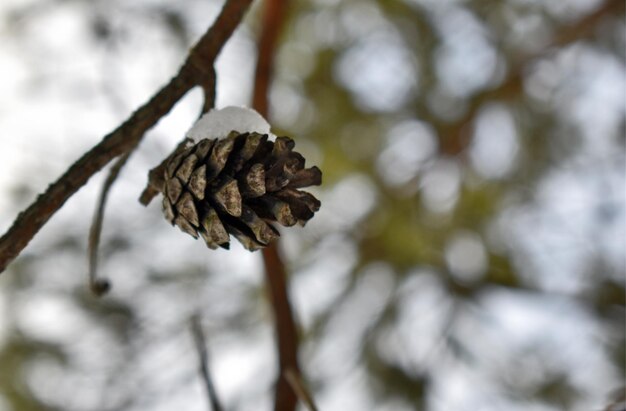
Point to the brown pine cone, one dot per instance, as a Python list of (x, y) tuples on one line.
[(238, 185)]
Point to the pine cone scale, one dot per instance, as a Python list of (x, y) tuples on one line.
[(273, 209), (307, 177), (184, 225), (261, 230), (219, 156), (170, 215), (214, 233), (186, 168), (253, 182), (197, 182), (186, 208), (229, 198), (173, 164), (204, 147), (174, 189)]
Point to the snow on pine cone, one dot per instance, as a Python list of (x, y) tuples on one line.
[(238, 185)]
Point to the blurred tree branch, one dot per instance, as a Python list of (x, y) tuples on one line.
[(203, 357), (303, 393), (455, 136), (285, 398), (197, 66)]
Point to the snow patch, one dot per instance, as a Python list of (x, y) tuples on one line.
[(219, 123)]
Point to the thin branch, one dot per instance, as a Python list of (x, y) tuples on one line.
[(128, 134), (100, 286), (273, 19), (209, 90), (203, 356), (297, 385), (285, 398)]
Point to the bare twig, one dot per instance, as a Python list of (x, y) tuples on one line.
[(285, 398), (128, 134), (203, 356), (297, 385), (209, 90), (100, 286)]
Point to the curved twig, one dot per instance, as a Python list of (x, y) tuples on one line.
[(100, 286)]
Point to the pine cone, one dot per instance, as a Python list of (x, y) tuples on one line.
[(238, 185)]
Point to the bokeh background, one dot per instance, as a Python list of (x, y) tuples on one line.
[(470, 250)]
